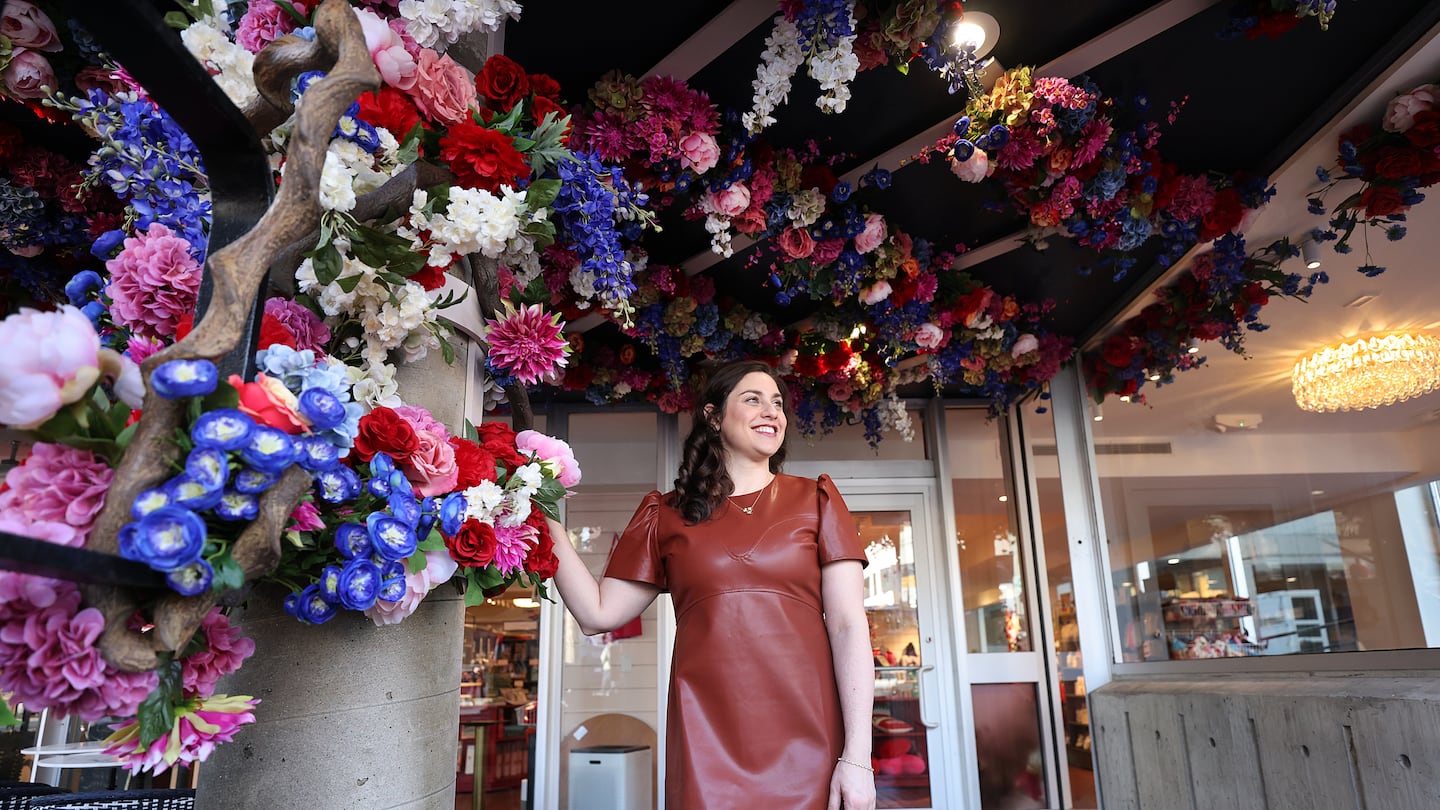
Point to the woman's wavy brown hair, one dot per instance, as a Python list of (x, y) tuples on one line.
[(703, 482)]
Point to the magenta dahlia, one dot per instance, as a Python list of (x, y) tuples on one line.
[(527, 343)]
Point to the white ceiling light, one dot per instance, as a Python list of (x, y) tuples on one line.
[(976, 29), (1310, 251)]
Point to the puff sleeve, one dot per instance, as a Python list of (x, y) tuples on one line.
[(837, 537), (636, 555)]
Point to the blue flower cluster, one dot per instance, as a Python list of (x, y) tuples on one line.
[(350, 126), (232, 463), (150, 163), (323, 391), (374, 550), (822, 23), (595, 209)]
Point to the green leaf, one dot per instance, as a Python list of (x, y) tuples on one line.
[(473, 594), (328, 264), (488, 577), (291, 10), (7, 716), (157, 712), (410, 147), (447, 352), (434, 541), (470, 432), (349, 283), (548, 509), (228, 573), (542, 193), (178, 20), (224, 396), (416, 562)]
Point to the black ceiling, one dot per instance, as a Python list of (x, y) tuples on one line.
[(1249, 105)]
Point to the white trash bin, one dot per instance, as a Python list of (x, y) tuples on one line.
[(610, 777)]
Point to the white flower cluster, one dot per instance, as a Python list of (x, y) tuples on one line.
[(719, 227), (806, 207), (474, 221), (350, 171), (782, 57), (894, 416), (755, 327), (835, 68), (431, 22), (488, 502), (231, 65), (391, 316)]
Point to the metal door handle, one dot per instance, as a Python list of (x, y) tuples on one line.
[(923, 721)]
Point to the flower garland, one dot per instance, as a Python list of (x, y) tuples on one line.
[(1253, 19), (1217, 298), (1391, 165), (819, 34)]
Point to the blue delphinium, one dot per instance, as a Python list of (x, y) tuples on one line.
[(170, 537), (177, 379)]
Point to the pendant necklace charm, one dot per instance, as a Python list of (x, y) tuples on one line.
[(750, 510)]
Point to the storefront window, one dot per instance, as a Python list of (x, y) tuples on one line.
[(1012, 771), (991, 574), (1272, 531)]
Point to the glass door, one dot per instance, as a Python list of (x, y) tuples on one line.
[(914, 748)]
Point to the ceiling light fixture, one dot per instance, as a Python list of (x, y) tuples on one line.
[(1310, 251), (1193, 347), (1004, 498), (1173, 561), (524, 602), (1096, 414), (1367, 372), (963, 61), (976, 31)]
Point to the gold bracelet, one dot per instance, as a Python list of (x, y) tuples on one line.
[(856, 764)]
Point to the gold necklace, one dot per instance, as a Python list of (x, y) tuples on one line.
[(750, 510)]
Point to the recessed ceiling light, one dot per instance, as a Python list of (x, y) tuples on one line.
[(1127, 584), (1290, 579), (1317, 492), (1004, 498), (1173, 561)]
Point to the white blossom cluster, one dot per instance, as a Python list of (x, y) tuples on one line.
[(350, 171), (755, 327), (390, 316), (894, 416), (782, 57), (436, 23), (806, 207), (488, 502), (719, 227), (474, 221), (231, 65), (834, 69)]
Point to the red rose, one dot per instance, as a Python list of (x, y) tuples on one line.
[(1381, 201), (483, 158), (391, 109), (544, 86), (502, 82), (474, 546), (184, 325), (1272, 25), (385, 431), (497, 439), (273, 332), (1425, 132), (807, 365), (1395, 162), (837, 357), (430, 277), (474, 463), (543, 106), (541, 559), (1118, 351), (1224, 216)]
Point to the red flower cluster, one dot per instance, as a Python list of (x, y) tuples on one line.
[(475, 544)]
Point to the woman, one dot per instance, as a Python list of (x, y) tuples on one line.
[(772, 683)]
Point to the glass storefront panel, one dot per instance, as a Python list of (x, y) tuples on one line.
[(1291, 533), (991, 572), (1007, 742)]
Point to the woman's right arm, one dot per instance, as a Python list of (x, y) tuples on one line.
[(598, 607)]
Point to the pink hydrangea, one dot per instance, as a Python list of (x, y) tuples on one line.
[(1193, 198), (153, 282), (264, 22), (439, 567), (225, 650), (310, 332), (551, 451), (59, 484)]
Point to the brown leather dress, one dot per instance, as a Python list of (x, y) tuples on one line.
[(754, 717)]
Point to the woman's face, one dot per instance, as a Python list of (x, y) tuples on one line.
[(753, 423)]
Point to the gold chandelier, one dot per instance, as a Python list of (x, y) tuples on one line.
[(1367, 372)]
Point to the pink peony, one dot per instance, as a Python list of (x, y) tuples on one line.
[(438, 569), (431, 468), (305, 518), (699, 151), (27, 26), (58, 484), (101, 78), (553, 453), (512, 545), (873, 235), (1400, 112), (929, 336), (731, 201), (527, 343), (28, 74), (225, 650), (264, 22), (1024, 344), (875, 293), (421, 419), (153, 282), (974, 169), (310, 332), (443, 89), (397, 67), (50, 360)]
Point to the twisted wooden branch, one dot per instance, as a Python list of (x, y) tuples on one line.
[(237, 271)]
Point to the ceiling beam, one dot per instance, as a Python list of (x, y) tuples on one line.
[(714, 38)]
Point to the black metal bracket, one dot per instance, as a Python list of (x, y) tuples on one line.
[(28, 556)]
